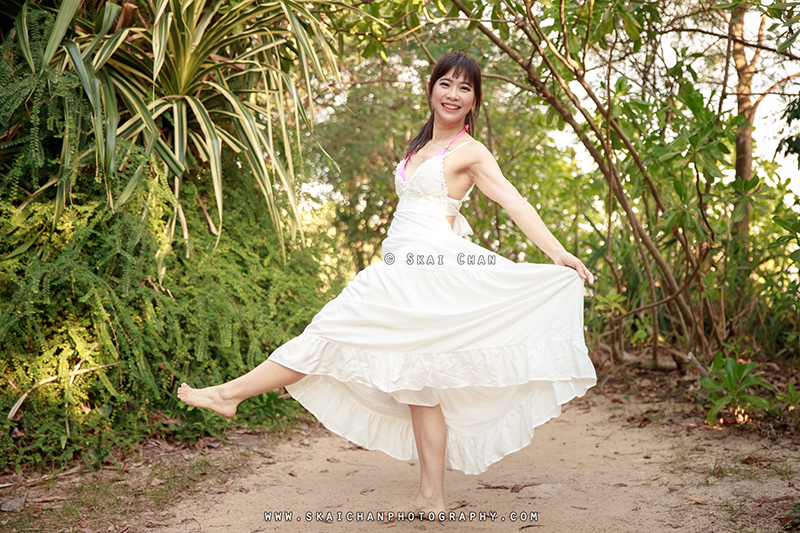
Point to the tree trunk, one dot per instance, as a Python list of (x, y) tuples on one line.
[(744, 136)]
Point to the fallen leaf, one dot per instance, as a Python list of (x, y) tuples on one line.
[(773, 500), (488, 486), (697, 500), (754, 459), (577, 467)]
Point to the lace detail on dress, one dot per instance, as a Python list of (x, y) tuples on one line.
[(425, 193)]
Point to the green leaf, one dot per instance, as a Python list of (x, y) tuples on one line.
[(738, 212), (711, 384), (214, 151), (630, 24), (679, 188), (135, 101), (109, 13), (22, 248), (111, 122), (137, 176), (792, 226), (83, 74), (108, 48), (785, 45), (160, 39), (66, 12), (21, 24), (181, 130)]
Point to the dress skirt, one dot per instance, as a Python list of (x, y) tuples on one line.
[(498, 344)]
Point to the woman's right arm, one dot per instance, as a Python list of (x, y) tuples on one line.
[(487, 176)]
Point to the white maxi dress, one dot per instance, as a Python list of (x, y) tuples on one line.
[(442, 320)]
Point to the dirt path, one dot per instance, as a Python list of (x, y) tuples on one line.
[(599, 467)]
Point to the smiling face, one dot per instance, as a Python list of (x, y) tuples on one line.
[(452, 96)]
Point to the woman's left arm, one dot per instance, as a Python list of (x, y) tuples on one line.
[(487, 176)]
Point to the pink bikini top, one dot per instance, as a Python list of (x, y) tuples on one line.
[(405, 161)]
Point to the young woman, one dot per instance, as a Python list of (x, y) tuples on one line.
[(444, 350)]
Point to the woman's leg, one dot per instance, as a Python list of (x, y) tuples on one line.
[(223, 399), (430, 435)]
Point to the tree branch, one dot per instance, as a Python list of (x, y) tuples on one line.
[(605, 165), (509, 80), (734, 39), (774, 86)]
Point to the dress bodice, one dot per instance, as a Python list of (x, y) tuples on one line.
[(425, 192)]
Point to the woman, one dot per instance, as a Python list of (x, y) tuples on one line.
[(444, 351)]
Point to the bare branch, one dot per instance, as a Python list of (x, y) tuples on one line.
[(431, 59), (727, 66), (734, 39), (774, 86), (760, 41), (509, 80)]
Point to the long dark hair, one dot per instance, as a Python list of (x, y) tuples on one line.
[(462, 63)]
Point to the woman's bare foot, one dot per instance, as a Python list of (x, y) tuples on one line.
[(421, 508), (420, 504), (208, 398)]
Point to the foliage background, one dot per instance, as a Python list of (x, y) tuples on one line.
[(97, 325), (106, 306)]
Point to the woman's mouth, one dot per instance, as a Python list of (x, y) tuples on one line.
[(450, 107)]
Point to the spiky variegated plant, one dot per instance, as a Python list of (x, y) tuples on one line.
[(224, 72)]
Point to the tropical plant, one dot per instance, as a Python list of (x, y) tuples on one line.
[(791, 223), (221, 72), (792, 401), (732, 385), (791, 521), (90, 341), (194, 76)]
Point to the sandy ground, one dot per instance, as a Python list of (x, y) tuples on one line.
[(599, 467)]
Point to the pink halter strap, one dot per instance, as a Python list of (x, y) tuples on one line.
[(405, 161), (466, 127)]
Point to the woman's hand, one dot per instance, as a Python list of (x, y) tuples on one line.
[(569, 260)]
